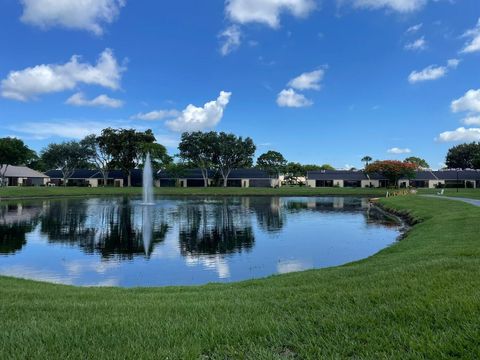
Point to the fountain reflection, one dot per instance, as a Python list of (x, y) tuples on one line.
[(112, 229)]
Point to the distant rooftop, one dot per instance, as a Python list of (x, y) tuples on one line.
[(21, 172)]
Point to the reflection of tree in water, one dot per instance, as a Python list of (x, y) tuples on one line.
[(111, 228), (122, 232), (373, 215), (65, 222), (219, 228), (270, 214), (328, 204), (16, 220), (376, 216)]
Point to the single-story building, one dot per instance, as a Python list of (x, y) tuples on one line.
[(94, 178), (422, 179), (238, 178), (23, 176), (341, 178)]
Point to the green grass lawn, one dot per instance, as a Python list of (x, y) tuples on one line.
[(419, 298), (466, 193), (20, 192), (33, 192)]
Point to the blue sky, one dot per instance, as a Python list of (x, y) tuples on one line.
[(320, 81)]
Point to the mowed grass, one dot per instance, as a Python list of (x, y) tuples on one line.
[(24, 192), (465, 193), (419, 298)]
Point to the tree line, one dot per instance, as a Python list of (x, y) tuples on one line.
[(126, 149)]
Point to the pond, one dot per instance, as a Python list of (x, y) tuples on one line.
[(185, 240)]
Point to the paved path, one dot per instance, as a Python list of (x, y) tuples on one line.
[(468, 201)]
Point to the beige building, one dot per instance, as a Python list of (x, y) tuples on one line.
[(22, 176)]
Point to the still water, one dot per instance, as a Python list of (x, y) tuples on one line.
[(185, 240)]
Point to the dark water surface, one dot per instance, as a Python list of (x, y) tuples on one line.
[(185, 240)]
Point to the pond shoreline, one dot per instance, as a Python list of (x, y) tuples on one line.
[(39, 193), (423, 290)]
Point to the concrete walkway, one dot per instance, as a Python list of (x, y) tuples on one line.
[(466, 200)]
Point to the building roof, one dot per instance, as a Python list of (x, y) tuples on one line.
[(419, 175), (93, 174), (21, 172), (337, 175), (187, 174), (462, 174), (235, 174), (425, 175), (249, 174)]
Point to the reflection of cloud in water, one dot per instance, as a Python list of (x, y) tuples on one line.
[(105, 283), (27, 272), (288, 266), (216, 263), (169, 249), (78, 267)]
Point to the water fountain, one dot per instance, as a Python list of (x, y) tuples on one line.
[(148, 182), (148, 200)]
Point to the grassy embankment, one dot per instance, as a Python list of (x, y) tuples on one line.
[(35, 192), (419, 298), (24, 192)]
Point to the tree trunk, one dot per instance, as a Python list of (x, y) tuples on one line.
[(129, 179), (105, 178), (225, 181), (205, 177), (3, 176)]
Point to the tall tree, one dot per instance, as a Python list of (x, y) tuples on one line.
[(309, 167), (158, 154), (199, 150), (272, 162), (232, 152), (293, 172), (464, 156), (97, 153), (13, 152), (393, 170), (65, 157), (367, 160), (126, 147), (176, 170), (421, 163)]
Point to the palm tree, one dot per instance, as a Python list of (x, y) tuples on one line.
[(366, 159)]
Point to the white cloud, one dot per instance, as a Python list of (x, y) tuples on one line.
[(432, 72), (472, 120), (70, 129), (31, 82), (397, 150), (468, 102), (473, 45), (460, 135), (290, 98), (156, 115), (266, 11), (83, 15), (403, 6), (231, 39), (308, 81), (418, 45), (429, 73), (195, 118), (453, 63), (79, 99), (413, 29)]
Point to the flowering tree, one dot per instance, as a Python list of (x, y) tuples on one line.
[(393, 170)]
